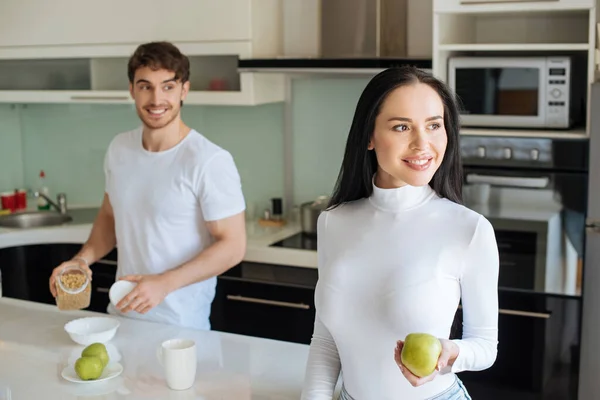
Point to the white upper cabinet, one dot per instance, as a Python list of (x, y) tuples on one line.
[(77, 50), (510, 5), (75, 22)]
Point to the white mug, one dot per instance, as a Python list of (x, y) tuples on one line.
[(178, 358)]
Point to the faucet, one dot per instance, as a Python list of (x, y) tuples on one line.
[(61, 199)]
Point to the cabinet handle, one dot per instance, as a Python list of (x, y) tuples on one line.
[(521, 313), (516, 181), (102, 290), (508, 263), (99, 98), (269, 302), (524, 313), (106, 262)]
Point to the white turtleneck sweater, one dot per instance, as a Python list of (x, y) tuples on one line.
[(395, 263)]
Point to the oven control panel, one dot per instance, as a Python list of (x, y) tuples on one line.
[(522, 152), (516, 150)]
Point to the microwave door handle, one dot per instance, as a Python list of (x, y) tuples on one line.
[(515, 181)]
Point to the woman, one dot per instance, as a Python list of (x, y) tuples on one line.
[(397, 251)]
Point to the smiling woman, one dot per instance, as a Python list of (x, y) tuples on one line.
[(397, 252), (430, 117), (404, 145)]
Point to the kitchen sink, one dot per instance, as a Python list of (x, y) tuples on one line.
[(34, 219)]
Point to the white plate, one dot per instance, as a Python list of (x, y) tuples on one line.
[(120, 289), (111, 371)]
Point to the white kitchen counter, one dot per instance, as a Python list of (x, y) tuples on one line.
[(258, 250), (34, 349)]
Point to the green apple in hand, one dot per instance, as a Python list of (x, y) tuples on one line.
[(420, 353)]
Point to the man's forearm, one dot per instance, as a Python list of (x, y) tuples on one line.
[(212, 261)]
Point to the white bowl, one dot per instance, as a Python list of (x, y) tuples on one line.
[(120, 289), (90, 330)]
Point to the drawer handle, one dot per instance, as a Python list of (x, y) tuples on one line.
[(531, 314), (524, 313), (269, 302), (102, 290), (516, 181), (106, 262)]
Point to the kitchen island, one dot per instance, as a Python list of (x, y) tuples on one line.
[(34, 349)]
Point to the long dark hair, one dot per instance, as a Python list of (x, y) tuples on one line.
[(354, 181)]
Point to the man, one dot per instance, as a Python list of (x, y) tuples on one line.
[(173, 202)]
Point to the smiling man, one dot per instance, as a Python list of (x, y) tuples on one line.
[(173, 202)]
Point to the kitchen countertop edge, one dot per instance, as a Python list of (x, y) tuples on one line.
[(258, 247)]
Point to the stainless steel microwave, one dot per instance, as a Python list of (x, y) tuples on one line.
[(513, 92)]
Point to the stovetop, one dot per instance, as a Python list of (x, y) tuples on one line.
[(300, 241)]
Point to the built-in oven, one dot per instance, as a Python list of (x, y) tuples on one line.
[(534, 193)]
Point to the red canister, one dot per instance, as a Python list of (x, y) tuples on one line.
[(9, 201), (21, 199)]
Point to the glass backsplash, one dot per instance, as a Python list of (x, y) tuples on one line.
[(322, 115), (69, 142), (11, 151)]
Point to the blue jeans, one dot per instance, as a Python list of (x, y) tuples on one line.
[(455, 392)]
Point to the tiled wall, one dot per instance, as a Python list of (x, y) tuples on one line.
[(69, 142)]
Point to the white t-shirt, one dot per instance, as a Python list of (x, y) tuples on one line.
[(161, 201), (395, 263)]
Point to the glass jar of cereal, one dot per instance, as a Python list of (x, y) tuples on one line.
[(73, 289)]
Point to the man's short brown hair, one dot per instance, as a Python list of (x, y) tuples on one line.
[(159, 55)]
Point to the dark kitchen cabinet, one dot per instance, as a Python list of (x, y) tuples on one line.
[(105, 271), (268, 301), (538, 350), (27, 269), (26, 272)]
